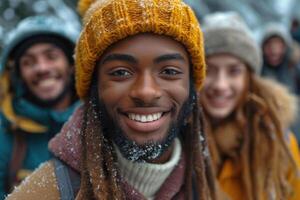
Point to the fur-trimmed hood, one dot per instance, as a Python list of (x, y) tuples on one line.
[(285, 102)]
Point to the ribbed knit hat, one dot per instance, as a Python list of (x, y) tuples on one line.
[(108, 21), (227, 33)]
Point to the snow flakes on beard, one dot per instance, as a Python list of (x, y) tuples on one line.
[(150, 150)]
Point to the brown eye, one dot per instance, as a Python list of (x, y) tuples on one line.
[(236, 70), (27, 62), (52, 56), (122, 73), (171, 71)]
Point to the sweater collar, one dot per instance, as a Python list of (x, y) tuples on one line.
[(147, 178), (67, 146)]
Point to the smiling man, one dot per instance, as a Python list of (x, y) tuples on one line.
[(38, 94), (139, 65)]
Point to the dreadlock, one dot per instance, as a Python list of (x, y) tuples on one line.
[(263, 155), (100, 178), (99, 172)]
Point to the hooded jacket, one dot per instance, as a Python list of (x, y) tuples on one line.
[(287, 72), (25, 127)]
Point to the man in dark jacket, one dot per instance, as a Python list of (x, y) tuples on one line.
[(277, 47)]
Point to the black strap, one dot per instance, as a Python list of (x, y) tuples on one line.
[(17, 159), (68, 180)]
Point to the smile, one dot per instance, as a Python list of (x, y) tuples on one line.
[(145, 118)]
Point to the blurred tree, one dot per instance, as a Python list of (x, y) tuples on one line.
[(255, 12), (12, 11)]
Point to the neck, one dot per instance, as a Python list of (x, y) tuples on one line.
[(147, 178), (63, 103)]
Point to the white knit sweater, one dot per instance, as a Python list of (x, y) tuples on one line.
[(147, 178)]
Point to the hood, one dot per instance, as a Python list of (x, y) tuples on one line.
[(276, 29), (42, 25), (285, 102), (33, 26)]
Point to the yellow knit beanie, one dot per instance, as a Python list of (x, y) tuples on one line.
[(107, 21)]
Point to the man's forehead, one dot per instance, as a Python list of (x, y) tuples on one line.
[(40, 48)]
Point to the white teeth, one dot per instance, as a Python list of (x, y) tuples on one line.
[(47, 82), (149, 118), (145, 118)]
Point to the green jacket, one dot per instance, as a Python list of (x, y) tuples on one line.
[(36, 126)]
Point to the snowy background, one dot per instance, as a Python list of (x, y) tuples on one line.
[(255, 12)]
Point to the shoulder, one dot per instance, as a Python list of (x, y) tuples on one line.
[(285, 103), (294, 176), (294, 148), (41, 184)]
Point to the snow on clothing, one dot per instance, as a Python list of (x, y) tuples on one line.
[(25, 127), (67, 147), (32, 118), (230, 172), (104, 24)]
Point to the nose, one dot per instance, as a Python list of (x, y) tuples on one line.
[(221, 82), (145, 90), (42, 65)]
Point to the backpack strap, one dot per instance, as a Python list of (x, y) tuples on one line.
[(68, 180), (16, 162)]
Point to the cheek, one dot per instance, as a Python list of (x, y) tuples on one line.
[(112, 94), (240, 87), (26, 75), (179, 92)]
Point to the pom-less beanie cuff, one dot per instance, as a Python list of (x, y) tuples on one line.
[(227, 32), (236, 43), (109, 21)]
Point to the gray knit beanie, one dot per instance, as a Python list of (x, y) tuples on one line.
[(226, 32)]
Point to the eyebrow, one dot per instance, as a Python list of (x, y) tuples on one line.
[(119, 57), (44, 51), (166, 57)]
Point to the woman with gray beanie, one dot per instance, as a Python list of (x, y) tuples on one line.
[(254, 154)]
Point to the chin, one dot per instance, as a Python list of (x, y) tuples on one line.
[(219, 115)]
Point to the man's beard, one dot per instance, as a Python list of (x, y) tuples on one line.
[(48, 103), (150, 150)]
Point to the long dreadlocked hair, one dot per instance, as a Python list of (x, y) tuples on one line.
[(264, 156), (100, 178)]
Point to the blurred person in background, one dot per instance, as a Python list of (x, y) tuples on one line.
[(277, 46), (254, 154), (38, 94), (281, 60)]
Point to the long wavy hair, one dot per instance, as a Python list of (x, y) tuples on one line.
[(263, 154), (100, 178)]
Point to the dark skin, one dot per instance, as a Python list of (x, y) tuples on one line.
[(143, 82)]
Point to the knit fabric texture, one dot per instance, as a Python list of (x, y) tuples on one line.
[(147, 178), (228, 33), (108, 21)]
